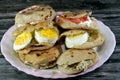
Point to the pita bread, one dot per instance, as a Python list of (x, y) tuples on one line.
[(76, 14), (41, 59), (74, 60), (34, 14)]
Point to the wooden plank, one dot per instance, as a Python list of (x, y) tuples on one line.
[(17, 5), (7, 15), (6, 23)]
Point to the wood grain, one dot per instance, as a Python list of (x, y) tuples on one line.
[(107, 11)]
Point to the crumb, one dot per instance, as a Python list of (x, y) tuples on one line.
[(26, 62), (54, 72), (34, 69)]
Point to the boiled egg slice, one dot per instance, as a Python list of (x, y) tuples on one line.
[(22, 41), (49, 35), (76, 39)]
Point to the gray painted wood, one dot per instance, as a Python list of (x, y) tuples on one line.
[(107, 11)]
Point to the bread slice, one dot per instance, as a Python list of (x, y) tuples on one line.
[(74, 60)]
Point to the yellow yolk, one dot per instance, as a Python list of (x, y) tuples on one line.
[(49, 33), (76, 35), (22, 40)]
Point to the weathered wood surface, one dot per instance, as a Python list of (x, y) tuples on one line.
[(107, 11)]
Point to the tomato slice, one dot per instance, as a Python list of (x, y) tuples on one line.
[(75, 20)]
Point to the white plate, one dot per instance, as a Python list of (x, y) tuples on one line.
[(105, 51)]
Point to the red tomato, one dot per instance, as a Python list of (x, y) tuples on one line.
[(75, 20)]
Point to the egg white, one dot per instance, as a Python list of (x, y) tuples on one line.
[(75, 41), (19, 47)]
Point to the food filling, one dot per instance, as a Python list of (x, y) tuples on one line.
[(81, 20), (76, 39), (49, 35), (22, 41), (82, 65)]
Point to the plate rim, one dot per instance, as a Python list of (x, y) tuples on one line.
[(55, 77)]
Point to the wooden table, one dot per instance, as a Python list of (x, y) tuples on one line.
[(107, 11)]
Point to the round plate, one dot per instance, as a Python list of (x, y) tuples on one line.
[(104, 52)]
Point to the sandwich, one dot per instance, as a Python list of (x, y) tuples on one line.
[(82, 39), (35, 37), (74, 61), (41, 59), (77, 20)]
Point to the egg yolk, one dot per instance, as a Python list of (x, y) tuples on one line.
[(23, 38), (49, 33), (76, 35)]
